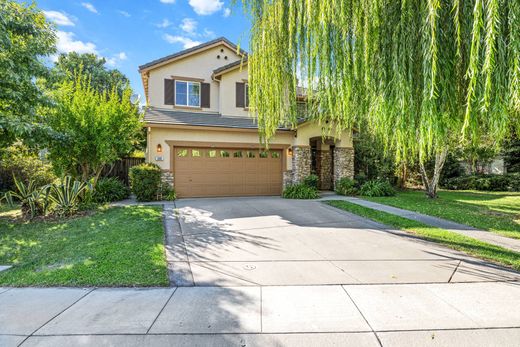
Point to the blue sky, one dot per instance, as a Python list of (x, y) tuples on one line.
[(129, 33)]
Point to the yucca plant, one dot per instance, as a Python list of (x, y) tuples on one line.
[(66, 196), (33, 201)]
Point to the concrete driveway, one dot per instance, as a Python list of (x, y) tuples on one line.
[(273, 241), (273, 272)]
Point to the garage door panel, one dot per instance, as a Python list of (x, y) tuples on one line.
[(202, 172)]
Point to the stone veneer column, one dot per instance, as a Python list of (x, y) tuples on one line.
[(301, 163), (287, 178), (343, 163), (167, 177), (325, 173)]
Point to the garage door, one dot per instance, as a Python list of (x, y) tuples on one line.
[(201, 172)]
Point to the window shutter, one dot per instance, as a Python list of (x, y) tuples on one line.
[(204, 95), (240, 94), (169, 92)]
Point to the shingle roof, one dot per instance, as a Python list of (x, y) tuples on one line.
[(229, 66), (189, 50), (161, 116)]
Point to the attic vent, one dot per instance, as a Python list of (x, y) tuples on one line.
[(222, 50), (218, 56), (225, 57)]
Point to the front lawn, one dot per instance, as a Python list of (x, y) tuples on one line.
[(498, 212), (118, 246), (453, 240)]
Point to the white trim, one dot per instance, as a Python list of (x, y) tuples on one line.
[(187, 93)]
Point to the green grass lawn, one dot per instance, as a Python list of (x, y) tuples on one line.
[(498, 212), (118, 246), (453, 240)]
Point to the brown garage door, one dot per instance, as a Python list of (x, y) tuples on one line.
[(203, 172)]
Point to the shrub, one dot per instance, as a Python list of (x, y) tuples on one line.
[(311, 181), (110, 189), (346, 186), (33, 199), (18, 161), (66, 196), (506, 182), (300, 191), (166, 192), (377, 188), (145, 181)]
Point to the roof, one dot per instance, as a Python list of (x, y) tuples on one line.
[(229, 66), (190, 50), (162, 116)]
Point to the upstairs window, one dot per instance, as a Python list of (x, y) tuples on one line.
[(187, 93), (246, 95)]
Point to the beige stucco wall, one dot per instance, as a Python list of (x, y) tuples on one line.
[(228, 92), (199, 66), (161, 135), (309, 130)]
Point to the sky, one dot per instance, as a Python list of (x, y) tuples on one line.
[(129, 33)]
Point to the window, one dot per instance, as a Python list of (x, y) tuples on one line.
[(212, 153), (264, 154), (182, 153), (246, 95), (187, 93), (237, 154), (195, 153), (224, 154), (275, 155), (250, 154)]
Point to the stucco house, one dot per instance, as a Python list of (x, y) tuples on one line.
[(202, 136)]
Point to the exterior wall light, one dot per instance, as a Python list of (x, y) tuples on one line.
[(159, 148), (289, 151)]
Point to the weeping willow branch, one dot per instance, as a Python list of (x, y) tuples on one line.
[(422, 75)]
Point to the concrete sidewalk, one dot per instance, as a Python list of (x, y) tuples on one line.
[(486, 236), (452, 314)]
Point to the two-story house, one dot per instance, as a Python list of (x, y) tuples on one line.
[(201, 133)]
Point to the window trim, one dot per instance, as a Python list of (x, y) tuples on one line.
[(187, 94)]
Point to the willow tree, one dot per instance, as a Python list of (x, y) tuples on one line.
[(423, 75)]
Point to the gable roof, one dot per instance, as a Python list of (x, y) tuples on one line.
[(231, 66), (200, 47)]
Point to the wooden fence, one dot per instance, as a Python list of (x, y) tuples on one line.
[(121, 168)]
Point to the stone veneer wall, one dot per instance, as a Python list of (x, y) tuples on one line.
[(167, 177), (287, 178), (325, 174), (343, 163), (301, 163)]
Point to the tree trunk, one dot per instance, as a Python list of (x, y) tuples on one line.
[(431, 184)]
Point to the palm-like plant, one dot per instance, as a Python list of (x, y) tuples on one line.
[(67, 195), (31, 198)]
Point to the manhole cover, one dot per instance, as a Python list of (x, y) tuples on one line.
[(249, 267)]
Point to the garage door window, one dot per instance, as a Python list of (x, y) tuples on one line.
[(275, 155), (224, 154), (237, 154), (264, 154), (196, 153), (212, 153), (250, 154), (182, 153)]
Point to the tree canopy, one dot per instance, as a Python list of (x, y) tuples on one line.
[(25, 37), (98, 128), (101, 78), (422, 75)]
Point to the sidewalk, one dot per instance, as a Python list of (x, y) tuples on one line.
[(462, 314), (486, 236)]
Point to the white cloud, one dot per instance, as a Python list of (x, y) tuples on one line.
[(164, 24), (89, 7), (123, 13), (67, 43), (168, 1), (208, 33), (188, 26), (116, 58), (227, 12), (60, 18), (185, 41), (206, 7)]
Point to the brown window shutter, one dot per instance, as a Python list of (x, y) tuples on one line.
[(204, 95), (240, 94), (169, 92)]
